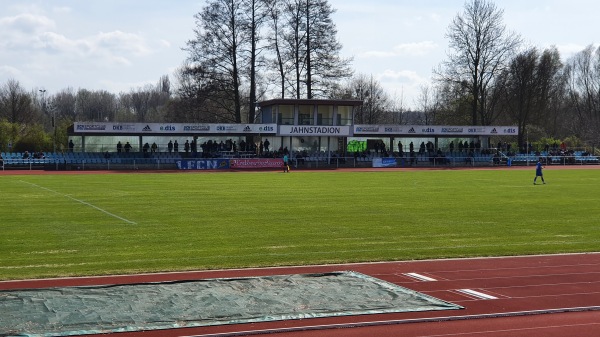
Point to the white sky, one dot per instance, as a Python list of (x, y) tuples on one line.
[(117, 45)]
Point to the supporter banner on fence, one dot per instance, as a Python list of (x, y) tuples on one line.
[(384, 162), (203, 164), (173, 128), (256, 163), (435, 130)]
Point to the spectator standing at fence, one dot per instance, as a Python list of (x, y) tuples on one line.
[(176, 146), (119, 147), (154, 147), (127, 147), (266, 145), (170, 146), (539, 171), (186, 146), (71, 145)]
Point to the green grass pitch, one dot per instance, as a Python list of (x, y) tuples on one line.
[(97, 224)]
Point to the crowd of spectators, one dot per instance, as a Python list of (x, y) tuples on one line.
[(467, 151)]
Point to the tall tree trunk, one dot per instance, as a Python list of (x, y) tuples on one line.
[(253, 41), (308, 52)]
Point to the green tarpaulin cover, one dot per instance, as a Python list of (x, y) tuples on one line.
[(150, 306)]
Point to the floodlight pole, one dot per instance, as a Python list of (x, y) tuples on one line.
[(43, 91), (258, 119), (527, 145)]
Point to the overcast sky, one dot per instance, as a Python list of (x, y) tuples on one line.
[(117, 45)]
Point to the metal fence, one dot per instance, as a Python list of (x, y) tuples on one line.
[(317, 160)]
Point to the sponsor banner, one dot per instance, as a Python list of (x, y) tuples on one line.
[(91, 127), (366, 129), (434, 130), (294, 130), (127, 128), (505, 130), (174, 128), (244, 128), (203, 164), (196, 128), (379, 129), (384, 162), (259, 128), (492, 130), (161, 128), (311, 130), (256, 163)]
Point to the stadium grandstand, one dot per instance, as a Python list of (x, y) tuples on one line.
[(313, 133)]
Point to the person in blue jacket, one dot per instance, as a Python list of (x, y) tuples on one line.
[(538, 171)]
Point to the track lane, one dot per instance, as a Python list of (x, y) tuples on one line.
[(539, 283)]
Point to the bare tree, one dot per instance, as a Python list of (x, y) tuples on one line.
[(218, 51), (140, 103), (480, 49), (16, 105), (324, 66), (96, 106), (376, 106), (397, 108), (276, 43), (64, 104), (195, 96), (552, 88), (583, 74), (295, 44), (530, 88), (519, 90), (257, 14), (428, 103), (305, 49)]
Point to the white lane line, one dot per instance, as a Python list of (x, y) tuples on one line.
[(81, 202), (367, 324), (477, 294), (420, 277)]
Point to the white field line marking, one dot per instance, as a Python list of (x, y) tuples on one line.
[(81, 202), (420, 277), (477, 294)]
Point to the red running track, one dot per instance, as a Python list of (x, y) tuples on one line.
[(549, 295)]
